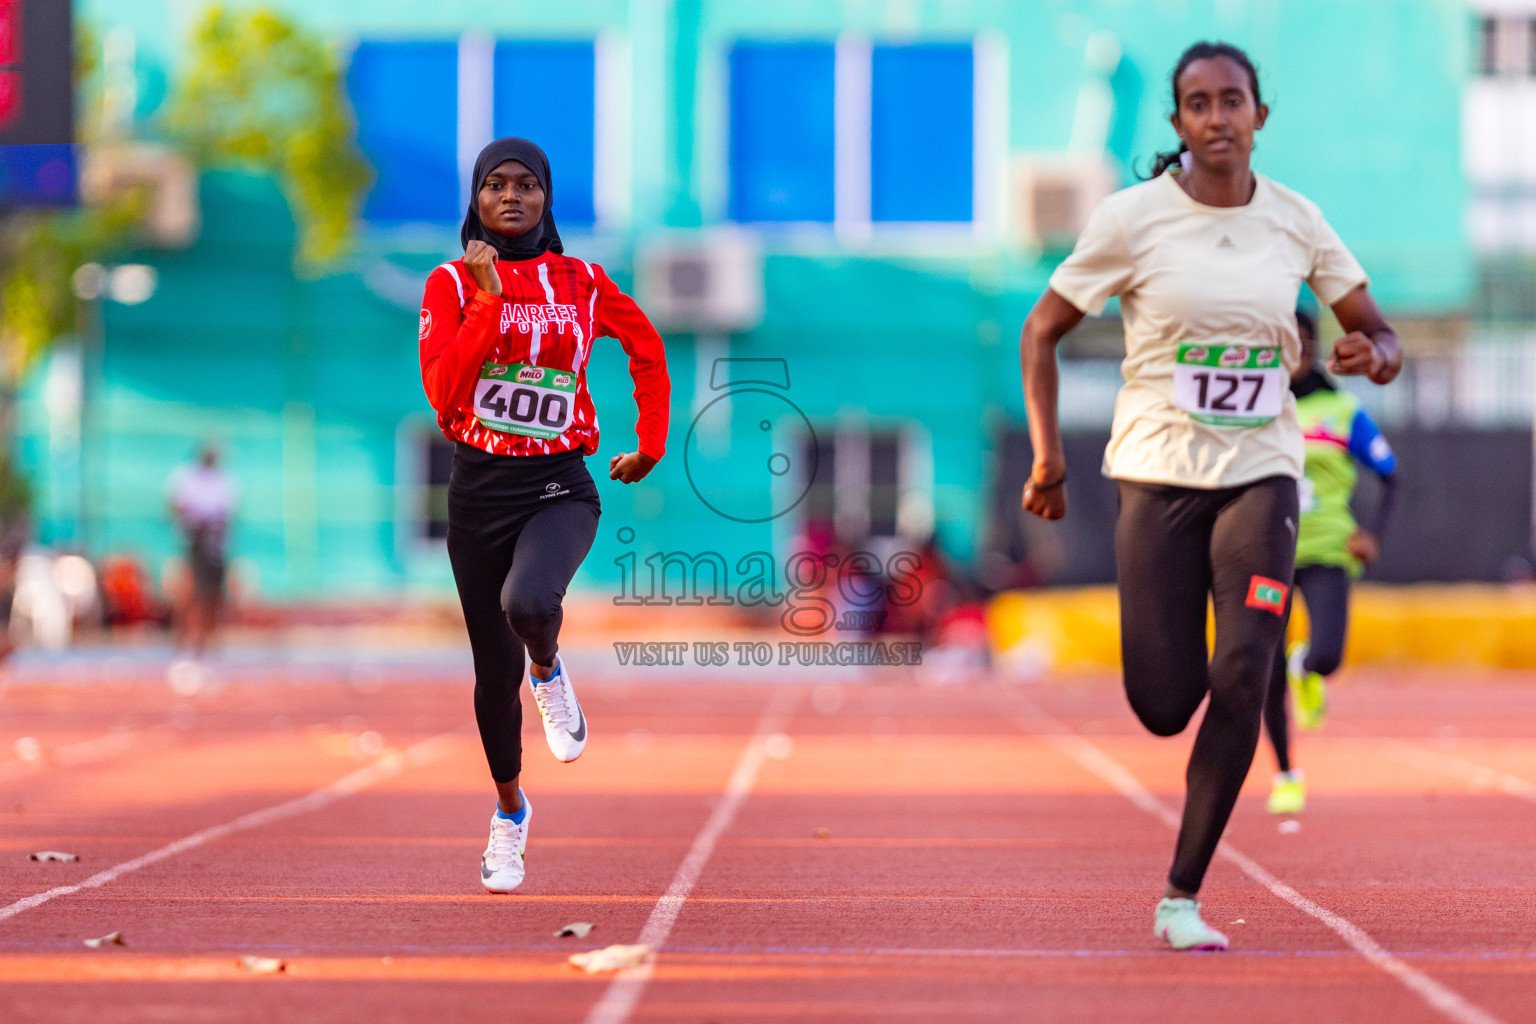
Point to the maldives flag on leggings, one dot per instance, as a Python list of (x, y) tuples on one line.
[(550, 311), (1266, 594)]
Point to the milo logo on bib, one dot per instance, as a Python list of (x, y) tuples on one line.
[(531, 401), (1229, 385)]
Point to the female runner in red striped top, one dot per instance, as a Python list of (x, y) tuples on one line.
[(506, 333)]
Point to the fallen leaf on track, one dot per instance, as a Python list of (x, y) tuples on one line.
[(822, 833), (264, 964), (611, 958), (110, 939), (580, 930), (67, 858)]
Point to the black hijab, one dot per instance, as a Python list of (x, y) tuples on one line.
[(543, 235)]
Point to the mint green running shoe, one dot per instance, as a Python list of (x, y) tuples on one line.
[(1178, 923)]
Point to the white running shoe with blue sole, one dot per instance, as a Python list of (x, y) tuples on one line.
[(565, 727), (501, 866), (1178, 923)]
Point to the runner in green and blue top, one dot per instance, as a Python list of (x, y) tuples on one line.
[(1331, 549)]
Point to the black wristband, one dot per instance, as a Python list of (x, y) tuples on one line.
[(1039, 487)]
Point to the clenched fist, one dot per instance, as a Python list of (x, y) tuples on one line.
[(1364, 546), (1355, 353), (1044, 498), (630, 467), (480, 261)]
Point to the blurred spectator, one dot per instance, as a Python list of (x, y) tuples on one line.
[(15, 528), (202, 498), (923, 594), (128, 595), (75, 577), (40, 613)]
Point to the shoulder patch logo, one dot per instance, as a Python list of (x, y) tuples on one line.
[(1225, 243), (425, 324)]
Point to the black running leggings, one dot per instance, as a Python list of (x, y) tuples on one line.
[(518, 528), (1173, 547), (1325, 588)]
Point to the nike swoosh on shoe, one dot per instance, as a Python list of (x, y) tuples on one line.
[(581, 730)]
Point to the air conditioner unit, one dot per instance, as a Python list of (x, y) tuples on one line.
[(708, 283), (1053, 196), (172, 216)]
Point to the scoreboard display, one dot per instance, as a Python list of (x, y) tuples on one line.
[(37, 123)]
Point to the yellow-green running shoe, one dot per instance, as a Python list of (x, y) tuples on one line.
[(1288, 793), (1307, 688)]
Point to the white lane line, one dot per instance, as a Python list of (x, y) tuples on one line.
[(1478, 776), (1450, 1003), (89, 751), (386, 767), (623, 994)]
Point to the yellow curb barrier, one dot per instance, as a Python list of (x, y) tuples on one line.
[(1472, 625)]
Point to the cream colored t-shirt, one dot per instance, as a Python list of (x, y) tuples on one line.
[(1197, 274)]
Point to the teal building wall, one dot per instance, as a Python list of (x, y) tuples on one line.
[(310, 385)]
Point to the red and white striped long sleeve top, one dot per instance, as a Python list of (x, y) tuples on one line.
[(550, 311)]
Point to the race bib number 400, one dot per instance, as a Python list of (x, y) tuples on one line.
[(534, 401), (1229, 385)]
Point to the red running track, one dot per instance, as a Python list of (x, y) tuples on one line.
[(906, 854)]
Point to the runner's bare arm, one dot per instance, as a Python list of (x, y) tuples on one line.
[(1052, 317), (1369, 346)]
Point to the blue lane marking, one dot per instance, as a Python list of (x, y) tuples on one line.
[(1023, 954)]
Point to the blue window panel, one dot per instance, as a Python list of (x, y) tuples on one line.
[(782, 132), (921, 132), (406, 97), (546, 92), (42, 175)]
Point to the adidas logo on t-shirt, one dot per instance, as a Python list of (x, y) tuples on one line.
[(1225, 243)]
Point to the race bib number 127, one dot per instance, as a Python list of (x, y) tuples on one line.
[(1229, 385), (534, 401)]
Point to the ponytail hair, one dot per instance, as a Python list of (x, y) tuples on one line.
[(1163, 161), (1201, 51)]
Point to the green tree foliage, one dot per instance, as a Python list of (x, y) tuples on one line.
[(39, 252), (261, 93)]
